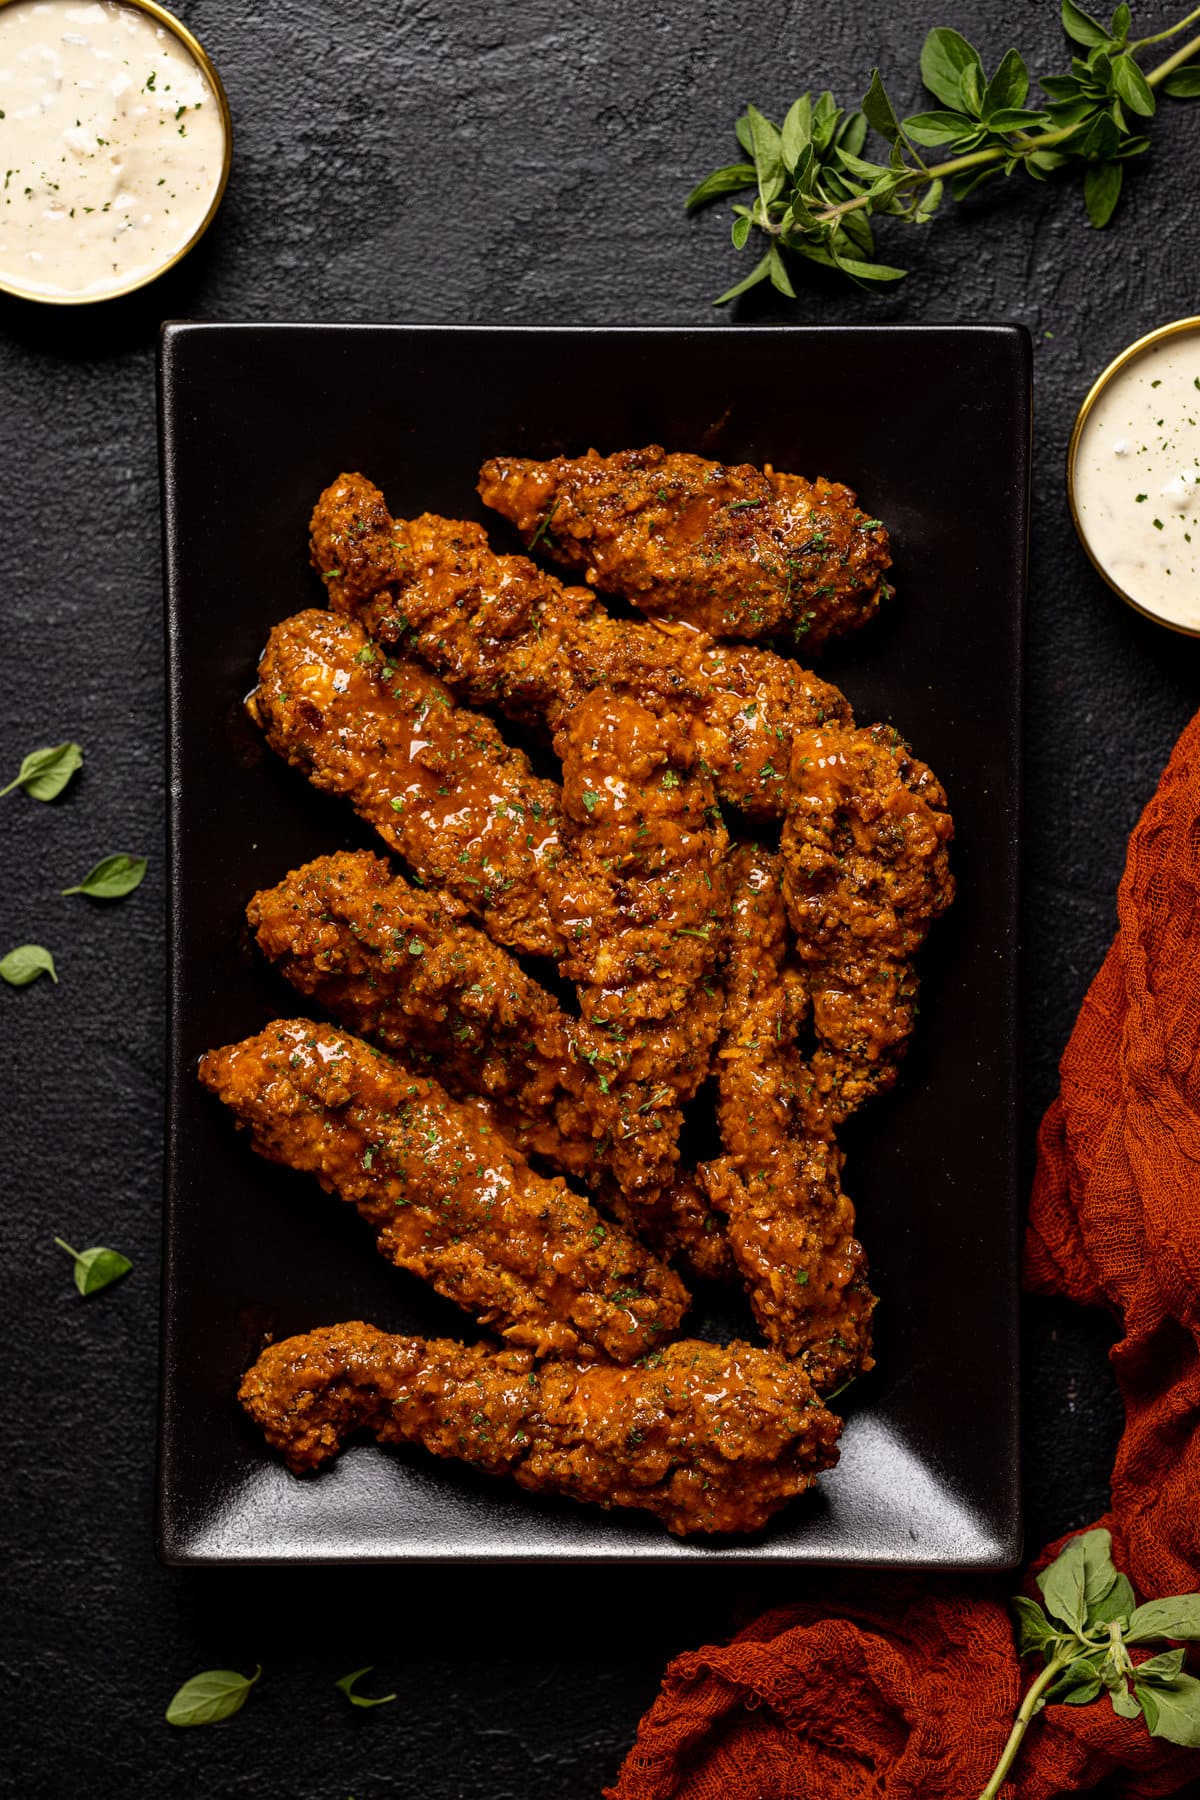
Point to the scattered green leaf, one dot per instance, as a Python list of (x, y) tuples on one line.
[(112, 878), (96, 1269), (208, 1698), (346, 1684), (25, 964), (45, 773)]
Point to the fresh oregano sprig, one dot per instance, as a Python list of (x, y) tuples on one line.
[(815, 192), (1089, 1619)]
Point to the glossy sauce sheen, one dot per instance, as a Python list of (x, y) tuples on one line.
[(448, 1198), (1137, 479), (112, 145), (707, 1438)]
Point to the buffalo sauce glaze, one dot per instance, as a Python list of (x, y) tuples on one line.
[(112, 147)]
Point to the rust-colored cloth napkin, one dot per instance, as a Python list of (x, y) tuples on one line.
[(908, 1688)]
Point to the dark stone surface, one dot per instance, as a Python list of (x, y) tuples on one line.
[(432, 160)]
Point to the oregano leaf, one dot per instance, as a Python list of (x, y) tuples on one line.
[(826, 114), (1172, 1712), (346, 1686), (97, 1268), (879, 111), (777, 269), (1034, 1630), (1080, 1681), (1081, 26), (1119, 1603), (1184, 84), (929, 202), (1062, 1589), (1101, 191), (45, 773), (768, 153), (758, 273), (1161, 1670), (112, 877), (208, 1698), (1132, 86), (1178, 1616), (796, 133), (852, 132), (25, 964), (722, 181), (1124, 1704), (945, 58), (934, 128), (1008, 86)]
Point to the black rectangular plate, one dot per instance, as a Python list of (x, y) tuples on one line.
[(931, 426)]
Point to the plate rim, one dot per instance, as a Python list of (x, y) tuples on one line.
[(176, 1550)]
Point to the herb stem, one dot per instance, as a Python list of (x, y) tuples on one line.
[(1161, 36), (1030, 1707), (1181, 56), (977, 159), (67, 1248)]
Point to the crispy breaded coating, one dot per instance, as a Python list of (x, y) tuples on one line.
[(506, 633), (681, 1224), (736, 551), (438, 783), (865, 860), (449, 1199), (708, 1439), (790, 1226), (402, 966), (866, 871), (644, 900)]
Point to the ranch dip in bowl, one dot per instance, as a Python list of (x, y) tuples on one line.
[(1133, 475), (115, 141)]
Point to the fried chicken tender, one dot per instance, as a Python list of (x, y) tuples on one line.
[(865, 873), (734, 550), (708, 1439), (644, 895), (402, 966), (790, 1226), (449, 1199), (505, 633), (626, 889), (438, 783)]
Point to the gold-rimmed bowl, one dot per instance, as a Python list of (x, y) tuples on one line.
[(1177, 328), (208, 69)]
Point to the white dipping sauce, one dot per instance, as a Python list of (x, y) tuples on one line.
[(112, 145), (1137, 479)]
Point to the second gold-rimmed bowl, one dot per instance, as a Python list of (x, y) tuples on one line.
[(208, 69), (1150, 340)]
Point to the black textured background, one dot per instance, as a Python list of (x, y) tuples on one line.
[(441, 160)]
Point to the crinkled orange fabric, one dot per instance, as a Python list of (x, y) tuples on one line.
[(903, 1688)]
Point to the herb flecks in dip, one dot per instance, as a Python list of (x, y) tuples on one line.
[(1137, 479), (112, 144)]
